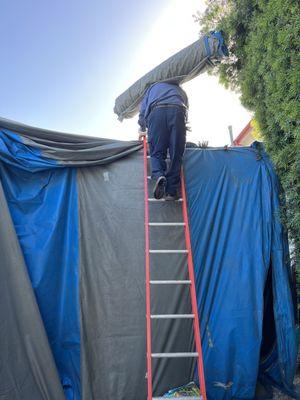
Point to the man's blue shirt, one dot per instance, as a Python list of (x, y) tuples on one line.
[(158, 94)]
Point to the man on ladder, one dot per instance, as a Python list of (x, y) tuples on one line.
[(164, 112)]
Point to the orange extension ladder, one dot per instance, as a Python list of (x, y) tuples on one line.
[(191, 282)]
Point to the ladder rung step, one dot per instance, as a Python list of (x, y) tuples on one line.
[(166, 223), (168, 158), (169, 251), (180, 398), (173, 355), (158, 200), (172, 316), (174, 282)]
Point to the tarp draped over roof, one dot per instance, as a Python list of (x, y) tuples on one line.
[(66, 149), (179, 68), (72, 279)]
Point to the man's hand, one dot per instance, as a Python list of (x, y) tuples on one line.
[(142, 134)]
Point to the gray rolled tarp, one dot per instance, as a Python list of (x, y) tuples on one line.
[(179, 68)]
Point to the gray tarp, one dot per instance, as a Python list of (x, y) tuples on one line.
[(113, 343), (181, 67), (112, 278), (69, 149), (91, 219)]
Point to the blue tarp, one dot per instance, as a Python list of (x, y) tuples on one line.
[(42, 199), (239, 248), (237, 237)]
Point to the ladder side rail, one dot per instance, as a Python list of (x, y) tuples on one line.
[(147, 264), (197, 335)]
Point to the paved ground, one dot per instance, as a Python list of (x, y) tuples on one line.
[(280, 396)]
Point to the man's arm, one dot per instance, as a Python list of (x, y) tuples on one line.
[(142, 120), (184, 97)]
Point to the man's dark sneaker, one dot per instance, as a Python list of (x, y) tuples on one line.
[(170, 197), (159, 188)]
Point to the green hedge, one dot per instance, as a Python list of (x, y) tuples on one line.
[(264, 65)]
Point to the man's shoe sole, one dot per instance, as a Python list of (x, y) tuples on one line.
[(159, 188)]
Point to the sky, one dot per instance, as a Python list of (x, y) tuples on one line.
[(63, 63)]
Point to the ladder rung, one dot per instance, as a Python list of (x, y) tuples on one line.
[(174, 282), (169, 251), (173, 355), (166, 223), (172, 316), (158, 200), (180, 398), (168, 158)]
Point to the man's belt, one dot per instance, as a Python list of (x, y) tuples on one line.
[(182, 107)]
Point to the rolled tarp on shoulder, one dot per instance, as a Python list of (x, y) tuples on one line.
[(179, 68)]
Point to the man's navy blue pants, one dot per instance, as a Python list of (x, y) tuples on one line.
[(167, 131)]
